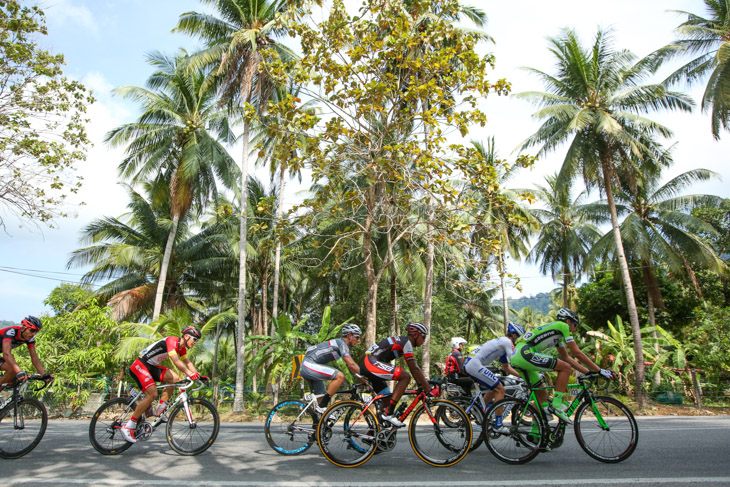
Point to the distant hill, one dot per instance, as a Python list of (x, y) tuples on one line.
[(5, 323), (540, 301)]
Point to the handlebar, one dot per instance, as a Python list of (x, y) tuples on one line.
[(34, 377)]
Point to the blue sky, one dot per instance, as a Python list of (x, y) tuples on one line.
[(105, 43)]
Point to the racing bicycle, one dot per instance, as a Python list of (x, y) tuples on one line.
[(604, 426), (192, 423), (23, 420)]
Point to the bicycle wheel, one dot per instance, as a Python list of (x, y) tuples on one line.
[(475, 415), (194, 435), (22, 427), (347, 433), (608, 432), (291, 427), (105, 427), (527, 430), (435, 441)]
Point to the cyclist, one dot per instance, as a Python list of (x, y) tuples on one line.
[(146, 370), (378, 368), (12, 338), (314, 370), (455, 372), (557, 334), (500, 348)]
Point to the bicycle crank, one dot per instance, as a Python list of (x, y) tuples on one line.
[(386, 439)]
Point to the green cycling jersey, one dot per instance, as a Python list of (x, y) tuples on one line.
[(549, 335)]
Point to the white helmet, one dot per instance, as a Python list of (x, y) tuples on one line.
[(456, 341)]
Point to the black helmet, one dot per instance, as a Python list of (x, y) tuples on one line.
[(417, 327), (564, 314), (32, 323), (192, 331)]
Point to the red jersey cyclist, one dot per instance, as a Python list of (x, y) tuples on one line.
[(377, 367), (12, 337), (146, 370)]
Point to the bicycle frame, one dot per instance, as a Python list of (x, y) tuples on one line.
[(19, 389), (181, 397)]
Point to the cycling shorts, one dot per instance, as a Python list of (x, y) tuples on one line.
[(145, 375), (316, 374), (379, 372), (533, 363), (482, 374)]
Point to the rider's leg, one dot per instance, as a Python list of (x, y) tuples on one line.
[(561, 383), (332, 388), (400, 387), (8, 375)]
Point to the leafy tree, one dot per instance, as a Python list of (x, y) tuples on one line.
[(595, 103), (708, 39), (42, 125)]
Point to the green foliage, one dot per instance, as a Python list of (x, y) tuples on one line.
[(711, 337), (42, 124)]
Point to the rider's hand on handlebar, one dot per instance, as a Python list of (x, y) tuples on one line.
[(22, 375), (204, 378), (608, 374), (194, 376), (48, 378), (434, 392)]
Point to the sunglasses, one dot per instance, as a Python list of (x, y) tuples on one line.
[(195, 340), (32, 330)]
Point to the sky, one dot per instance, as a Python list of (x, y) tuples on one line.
[(105, 43)]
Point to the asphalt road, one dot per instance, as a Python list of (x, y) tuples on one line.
[(672, 451)]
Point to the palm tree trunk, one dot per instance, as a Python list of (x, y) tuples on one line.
[(215, 361), (505, 304), (160, 294), (238, 396), (277, 255), (653, 300), (628, 288), (428, 294)]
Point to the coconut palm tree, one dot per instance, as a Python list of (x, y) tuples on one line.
[(567, 232), (235, 37), (709, 40), (178, 134), (595, 102)]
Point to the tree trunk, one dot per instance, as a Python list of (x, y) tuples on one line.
[(215, 362), (654, 300), (628, 288), (160, 294), (393, 304), (372, 284), (240, 366), (428, 294), (277, 255), (505, 305)]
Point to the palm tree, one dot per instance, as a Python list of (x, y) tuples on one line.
[(175, 136), (595, 102), (709, 40), (234, 43), (567, 233)]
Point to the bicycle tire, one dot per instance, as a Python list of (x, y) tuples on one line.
[(523, 442), (611, 445), (436, 442), (105, 427), (346, 434), (18, 441), (291, 427), (475, 415), (187, 438)]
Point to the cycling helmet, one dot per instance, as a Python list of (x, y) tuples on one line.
[(351, 329), (564, 314), (192, 331), (456, 341), (416, 327), (515, 328), (32, 323)]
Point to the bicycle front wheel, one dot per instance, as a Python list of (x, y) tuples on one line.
[(526, 431), (347, 434), (475, 415), (105, 431), (22, 428), (291, 427), (606, 429), (194, 434), (441, 438)]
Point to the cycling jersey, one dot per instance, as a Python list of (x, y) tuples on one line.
[(159, 351), (313, 368), (13, 335), (455, 364), (478, 367), (377, 367), (527, 354), (391, 348)]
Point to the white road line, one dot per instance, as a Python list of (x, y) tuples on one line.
[(319, 483)]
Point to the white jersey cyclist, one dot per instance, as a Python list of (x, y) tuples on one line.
[(497, 349)]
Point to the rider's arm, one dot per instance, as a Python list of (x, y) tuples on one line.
[(354, 368), (417, 374), (508, 368), (8, 356), (573, 363), (460, 363), (35, 360), (183, 365), (578, 353)]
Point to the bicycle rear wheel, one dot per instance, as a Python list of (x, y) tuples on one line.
[(436, 441), (105, 427), (475, 415), (526, 433), (608, 432), (346, 434), (22, 428), (194, 435), (291, 427)]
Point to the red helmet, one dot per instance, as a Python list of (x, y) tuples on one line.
[(32, 323)]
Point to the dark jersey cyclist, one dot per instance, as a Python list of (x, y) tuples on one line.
[(13, 337), (377, 367), (455, 371), (146, 370), (315, 371), (557, 334)]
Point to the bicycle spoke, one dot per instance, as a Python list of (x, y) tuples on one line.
[(608, 432), (290, 427), (191, 435), (441, 440), (22, 428)]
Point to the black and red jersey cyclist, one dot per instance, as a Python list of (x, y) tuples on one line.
[(377, 367), (12, 337), (146, 370), (455, 371)]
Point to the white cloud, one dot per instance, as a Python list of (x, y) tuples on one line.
[(66, 12)]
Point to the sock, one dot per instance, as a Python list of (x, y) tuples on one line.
[(324, 400), (132, 423), (558, 399), (497, 420), (390, 408)]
